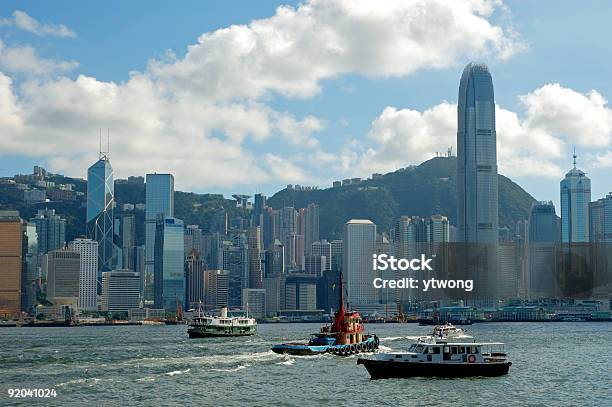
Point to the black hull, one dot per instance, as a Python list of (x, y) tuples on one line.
[(379, 369)]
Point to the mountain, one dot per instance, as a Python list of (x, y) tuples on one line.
[(423, 190)]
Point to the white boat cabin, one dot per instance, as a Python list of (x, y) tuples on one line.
[(443, 352)]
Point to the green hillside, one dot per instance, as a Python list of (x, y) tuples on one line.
[(424, 190)]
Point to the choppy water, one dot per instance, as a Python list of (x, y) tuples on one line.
[(553, 364)]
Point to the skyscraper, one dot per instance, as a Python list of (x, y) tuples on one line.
[(193, 239), (359, 243), (159, 201), (477, 194), (255, 269), (541, 276), (124, 238), (11, 237), (600, 215), (63, 272), (575, 199), (51, 230), (120, 291), (100, 204), (88, 250), (30, 267), (477, 183), (169, 263)]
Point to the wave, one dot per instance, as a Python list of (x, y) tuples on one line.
[(177, 372), (231, 370)]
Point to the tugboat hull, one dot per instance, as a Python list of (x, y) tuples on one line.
[(302, 349), (380, 369)]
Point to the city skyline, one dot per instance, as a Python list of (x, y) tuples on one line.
[(286, 130)]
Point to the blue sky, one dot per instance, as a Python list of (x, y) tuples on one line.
[(343, 121)]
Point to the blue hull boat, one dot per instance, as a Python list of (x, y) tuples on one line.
[(369, 344)]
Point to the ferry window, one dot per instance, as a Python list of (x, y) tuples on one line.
[(436, 350), (453, 350), (462, 349), (419, 348), (446, 349), (426, 350)]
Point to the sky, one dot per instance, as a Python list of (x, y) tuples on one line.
[(245, 97)]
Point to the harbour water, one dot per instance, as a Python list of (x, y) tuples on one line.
[(553, 364)]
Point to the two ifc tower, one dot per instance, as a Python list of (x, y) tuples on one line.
[(477, 180)]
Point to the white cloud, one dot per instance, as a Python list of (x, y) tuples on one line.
[(23, 59), (23, 21), (201, 116), (293, 51), (536, 144)]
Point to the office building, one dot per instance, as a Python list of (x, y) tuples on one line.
[(11, 247), (235, 259), (169, 263), (194, 275), (275, 260), (30, 274), (100, 207), (544, 234), (359, 244), (51, 230), (477, 179), (159, 197), (120, 291), (575, 199), (193, 239), (216, 284), (254, 302), (301, 293), (125, 240), (254, 250), (88, 251), (63, 275)]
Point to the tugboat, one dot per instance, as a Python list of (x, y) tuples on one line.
[(344, 337), (203, 326), (439, 358)]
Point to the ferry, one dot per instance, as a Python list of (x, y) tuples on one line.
[(203, 326), (344, 337), (440, 358)]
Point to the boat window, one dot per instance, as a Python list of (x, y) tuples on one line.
[(473, 350), (453, 350), (419, 349), (411, 348), (398, 356), (426, 350), (446, 349), (462, 349), (436, 350)]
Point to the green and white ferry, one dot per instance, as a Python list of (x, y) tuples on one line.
[(204, 326)]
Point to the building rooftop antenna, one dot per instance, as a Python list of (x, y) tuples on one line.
[(574, 157)]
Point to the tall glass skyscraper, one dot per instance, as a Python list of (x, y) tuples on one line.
[(169, 263), (575, 199), (100, 203), (159, 201), (477, 189), (477, 197)]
